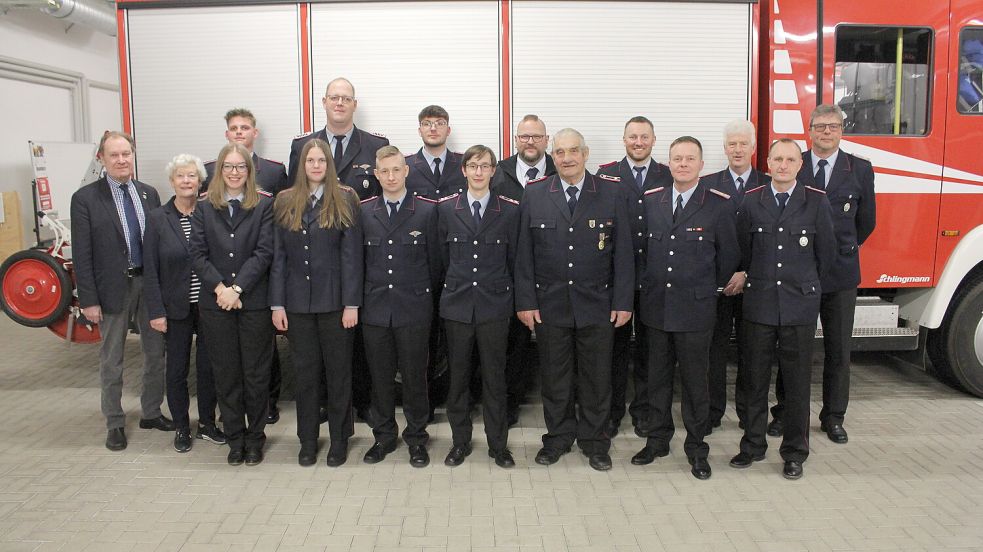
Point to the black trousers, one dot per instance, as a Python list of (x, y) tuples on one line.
[(177, 342), (322, 349), (491, 339), (361, 378), (406, 348), (518, 364), (276, 375), (575, 365), (638, 357), (729, 318), (794, 351), (240, 344), (836, 312), (692, 351)]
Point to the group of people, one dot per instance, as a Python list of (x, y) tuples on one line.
[(362, 255)]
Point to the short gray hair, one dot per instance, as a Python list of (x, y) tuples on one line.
[(183, 160), (739, 127), (565, 132), (826, 109)]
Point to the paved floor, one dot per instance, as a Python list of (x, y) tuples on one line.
[(908, 480)]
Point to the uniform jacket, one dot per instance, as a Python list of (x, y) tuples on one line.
[(315, 269), (402, 262), (235, 251), (167, 264), (656, 176), (357, 164), (785, 254), (478, 262), (421, 181), (724, 182), (687, 261), (851, 195), (99, 251), (574, 269), (505, 181), (271, 176)]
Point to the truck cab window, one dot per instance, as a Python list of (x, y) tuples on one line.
[(882, 79), (969, 98)]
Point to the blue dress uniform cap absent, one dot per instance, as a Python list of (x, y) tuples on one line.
[(271, 176), (357, 161), (422, 181), (508, 183)]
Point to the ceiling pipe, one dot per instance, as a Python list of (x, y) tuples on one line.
[(96, 14)]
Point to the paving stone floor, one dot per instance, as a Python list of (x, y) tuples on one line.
[(908, 480)]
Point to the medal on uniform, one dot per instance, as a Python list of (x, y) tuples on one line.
[(846, 207), (803, 241), (365, 184), (600, 242), (591, 223)]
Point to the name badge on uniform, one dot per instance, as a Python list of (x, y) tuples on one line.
[(591, 223), (803, 241)]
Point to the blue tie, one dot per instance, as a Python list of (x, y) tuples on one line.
[(821, 174), (572, 202), (133, 224), (234, 205), (639, 177), (477, 213), (782, 200), (392, 208)]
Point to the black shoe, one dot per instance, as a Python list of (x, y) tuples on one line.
[(272, 415), (793, 469), (182, 440), (236, 456), (457, 455), (513, 416), (776, 428), (614, 426), (322, 414), (701, 469), (548, 456), (116, 439), (835, 432), (503, 458), (211, 432), (254, 457), (600, 461), (648, 455), (744, 460), (337, 454), (418, 456), (308, 453), (377, 452), (160, 422)]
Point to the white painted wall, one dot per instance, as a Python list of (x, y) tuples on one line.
[(75, 60)]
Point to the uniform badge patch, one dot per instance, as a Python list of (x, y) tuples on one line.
[(416, 233), (846, 207), (803, 241), (591, 223), (365, 184)]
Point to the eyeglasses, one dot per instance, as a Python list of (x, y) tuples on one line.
[(347, 100), (822, 127), (475, 166), (229, 167), (531, 137), (433, 124)]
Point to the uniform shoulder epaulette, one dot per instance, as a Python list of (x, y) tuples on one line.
[(445, 198), (653, 190), (540, 179), (271, 161), (368, 199), (212, 162), (817, 190), (264, 193), (427, 199), (606, 165), (303, 135), (344, 188), (609, 178), (202, 196), (508, 199), (867, 159), (755, 189), (377, 134), (719, 193)]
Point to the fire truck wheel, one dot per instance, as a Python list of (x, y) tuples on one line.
[(960, 339), (37, 290)]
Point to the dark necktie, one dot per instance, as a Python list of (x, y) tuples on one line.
[(392, 208), (782, 200), (133, 225), (639, 177), (679, 208), (740, 183), (572, 202), (338, 151), (436, 169), (313, 200), (477, 213), (821, 174), (531, 174), (234, 205)]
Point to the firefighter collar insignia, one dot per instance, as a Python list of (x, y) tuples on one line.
[(416, 233), (591, 223), (803, 241)]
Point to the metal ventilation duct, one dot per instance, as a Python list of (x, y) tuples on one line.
[(96, 14)]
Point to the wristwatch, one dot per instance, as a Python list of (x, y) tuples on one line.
[(236, 288)]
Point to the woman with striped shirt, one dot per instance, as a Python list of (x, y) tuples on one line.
[(171, 290)]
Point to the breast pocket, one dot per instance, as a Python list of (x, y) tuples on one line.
[(803, 239), (700, 241), (416, 248), (542, 231), (845, 206), (458, 244)]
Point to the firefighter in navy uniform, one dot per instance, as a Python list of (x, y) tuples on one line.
[(478, 233), (638, 173), (849, 184), (402, 271), (271, 176), (435, 171), (738, 177), (691, 252), (787, 244), (353, 150), (575, 280), (511, 176)]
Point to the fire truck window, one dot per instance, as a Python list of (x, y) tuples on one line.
[(870, 64), (970, 96)]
